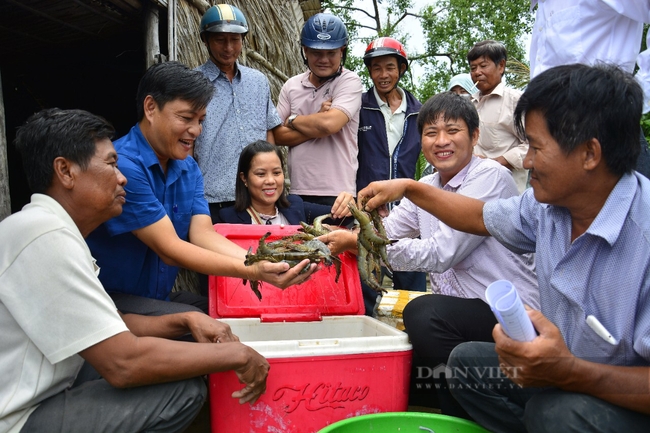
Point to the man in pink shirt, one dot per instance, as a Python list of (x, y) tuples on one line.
[(320, 112)]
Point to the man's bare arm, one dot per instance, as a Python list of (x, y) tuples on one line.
[(216, 259), (126, 360), (455, 210), (308, 126), (203, 328)]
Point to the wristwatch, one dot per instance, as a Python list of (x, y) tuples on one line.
[(290, 120)]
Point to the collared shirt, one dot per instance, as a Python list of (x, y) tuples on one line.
[(239, 113), (497, 130), (460, 264), (605, 272), (52, 306), (394, 119), (375, 159), (324, 166), (128, 265), (588, 31)]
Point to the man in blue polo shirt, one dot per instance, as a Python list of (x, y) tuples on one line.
[(165, 223)]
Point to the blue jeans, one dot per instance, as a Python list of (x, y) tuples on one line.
[(499, 405)]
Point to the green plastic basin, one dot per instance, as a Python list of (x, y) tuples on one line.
[(404, 422)]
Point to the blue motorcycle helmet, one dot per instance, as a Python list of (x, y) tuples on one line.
[(223, 18), (324, 31)]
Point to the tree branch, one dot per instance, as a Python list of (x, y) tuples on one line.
[(349, 8), (406, 14), (362, 26)]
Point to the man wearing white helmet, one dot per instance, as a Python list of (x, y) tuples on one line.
[(241, 110), (320, 112)]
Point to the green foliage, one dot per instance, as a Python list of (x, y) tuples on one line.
[(645, 119), (645, 124), (420, 166), (454, 26), (371, 24), (451, 28)]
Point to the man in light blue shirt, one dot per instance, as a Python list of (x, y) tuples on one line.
[(586, 219), (240, 112)]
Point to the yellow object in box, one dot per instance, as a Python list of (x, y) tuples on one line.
[(392, 305)]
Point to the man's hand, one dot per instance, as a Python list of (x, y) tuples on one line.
[(340, 207), (325, 106), (501, 160), (205, 329), (280, 274), (545, 361), (253, 374), (382, 192), (339, 241)]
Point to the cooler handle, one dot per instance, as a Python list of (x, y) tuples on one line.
[(294, 317)]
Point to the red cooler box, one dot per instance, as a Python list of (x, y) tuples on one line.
[(328, 360)]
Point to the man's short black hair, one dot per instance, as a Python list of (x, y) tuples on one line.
[(168, 81), (582, 102), (493, 50), (449, 105), (53, 133)]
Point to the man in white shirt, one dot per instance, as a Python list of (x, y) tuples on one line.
[(589, 32), (495, 104), (71, 361)]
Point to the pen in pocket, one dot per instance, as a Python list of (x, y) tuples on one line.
[(600, 330)]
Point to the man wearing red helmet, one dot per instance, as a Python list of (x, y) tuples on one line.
[(320, 112), (389, 141)]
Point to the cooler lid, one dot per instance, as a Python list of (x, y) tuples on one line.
[(320, 296)]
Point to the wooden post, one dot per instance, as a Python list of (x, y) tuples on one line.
[(152, 41), (5, 199), (171, 30)]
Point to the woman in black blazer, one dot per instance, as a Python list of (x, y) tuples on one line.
[(260, 196)]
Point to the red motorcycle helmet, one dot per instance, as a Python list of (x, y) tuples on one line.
[(386, 47)]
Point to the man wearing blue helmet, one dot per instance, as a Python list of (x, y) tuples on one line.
[(320, 112), (240, 112)]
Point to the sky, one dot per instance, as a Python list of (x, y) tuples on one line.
[(416, 41)]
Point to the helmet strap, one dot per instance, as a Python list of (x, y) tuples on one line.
[(323, 80), (206, 41)]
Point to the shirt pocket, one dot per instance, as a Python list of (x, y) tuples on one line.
[(594, 347), (563, 35), (181, 222), (491, 139)]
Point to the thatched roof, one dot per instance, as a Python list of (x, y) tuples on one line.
[(91, 54), (272, 45)]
